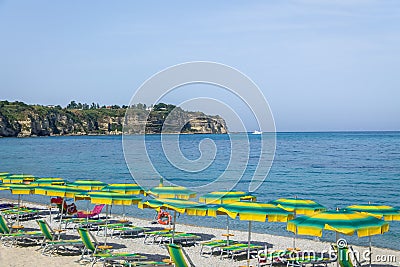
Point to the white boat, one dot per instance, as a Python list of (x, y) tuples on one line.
[(257, 132)]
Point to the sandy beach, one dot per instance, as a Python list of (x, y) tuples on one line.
[(31, 256)]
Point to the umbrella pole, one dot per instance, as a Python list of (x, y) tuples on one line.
[(370, 251), (338, 255), (294, 239), (227, 230), (248, 245), (62, 210), (173, 228), (50, 210), (295, 233), (19, 203), (105, 229)]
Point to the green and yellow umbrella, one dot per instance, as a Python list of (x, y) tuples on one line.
[(3, 174), (384, 212), (225, 197), (299, 206), (128, 189), (341, 221), (18, 178), (88, 184), (171, 192), (18, 189), (49, 181), (64, 191), (177, 205), (111, 198), (254, 211)]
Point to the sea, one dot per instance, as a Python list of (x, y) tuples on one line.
[(335, 169)]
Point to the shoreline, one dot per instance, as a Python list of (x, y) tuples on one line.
[(136, 244)]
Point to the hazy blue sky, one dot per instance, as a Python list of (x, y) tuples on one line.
[(322, 65)]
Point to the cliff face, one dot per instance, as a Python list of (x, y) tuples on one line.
[(19, 120)]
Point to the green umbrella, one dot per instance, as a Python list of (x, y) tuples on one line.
[(88, 184), (177, 205), (171, 192), (48, 181), (254, 211), (18, 189), (111, 198), (298, 206), (63, 191), (384, 212), (128, 189), (18, 178), (225, 197), (341, 221)]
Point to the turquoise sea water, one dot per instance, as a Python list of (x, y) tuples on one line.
[(335, 169)]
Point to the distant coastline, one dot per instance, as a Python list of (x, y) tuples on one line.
[(18, 119)]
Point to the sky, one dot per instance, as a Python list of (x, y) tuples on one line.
[(321, 65)]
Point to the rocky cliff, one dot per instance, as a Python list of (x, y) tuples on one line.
[(18, 119)]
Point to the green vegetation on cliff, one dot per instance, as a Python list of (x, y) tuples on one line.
[(20, 119)]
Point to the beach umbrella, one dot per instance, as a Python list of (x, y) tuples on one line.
[(177, 205), (111, 198), (298, 206), (128, 189), (384, 212), (225, 197), (340, 221), (254, 211), (171, 192), (88, 184), (3, 174), (18, 178), (63, 191), (19, 189), (48, 181)]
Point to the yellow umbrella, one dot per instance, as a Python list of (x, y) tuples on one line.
[(177, 205), (254, 211), (226, 197), (18, 189), (111, 198)]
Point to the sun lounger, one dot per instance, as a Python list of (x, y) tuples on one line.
[(22, 213), (303, 260), (275, 257), (344, 258), (94, 252), (178, 256), (8, 237), (236, 249), (182, 238), (52, 243), (151, 236), (214, 245), (82, 222), (147, 264)]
